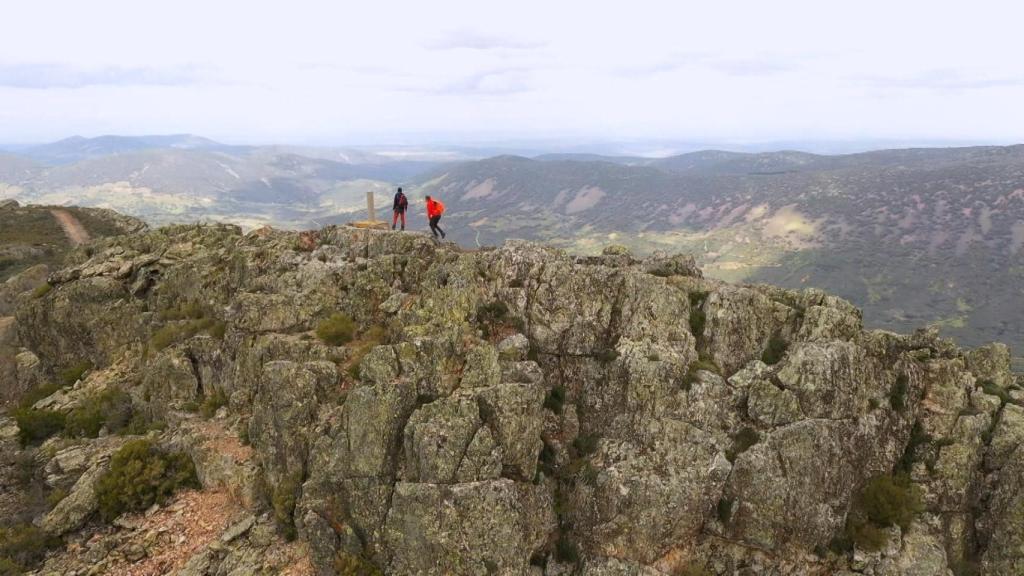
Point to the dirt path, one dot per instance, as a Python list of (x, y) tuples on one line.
[(74, 230)]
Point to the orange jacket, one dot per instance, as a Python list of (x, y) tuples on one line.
[(434, 208)]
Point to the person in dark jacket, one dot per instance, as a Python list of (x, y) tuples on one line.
[(434, 210), (398, 209)]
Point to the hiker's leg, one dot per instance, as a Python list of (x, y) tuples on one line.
[(433, 225), (438, 227), (394, 218), (403, 219)]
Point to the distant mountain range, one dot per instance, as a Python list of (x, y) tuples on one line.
[(183, 177), (913, 236)]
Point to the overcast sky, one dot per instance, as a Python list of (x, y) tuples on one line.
[(414, 72)]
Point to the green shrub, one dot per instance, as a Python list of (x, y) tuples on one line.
[(190, 406), (992, 389), (35, 426), (352, 565), (898, 393), (141, 424), (495, 316), (22, 546), (492, 313), (54, 498), (585, 444), (183, 330), (183, 311), (217, 329), (918, 438), (42, 291), (566, 550), (547, 459), (555, 400), (373, 336), (283, 501), (775, 350), (29, 398), (700, 364), (212, 403), (883, 502), (607, 355), (742, 442), (697, 316), (74, 373), (10, 568), (111, 408), (141, 475), (336, 330), (724, 509)]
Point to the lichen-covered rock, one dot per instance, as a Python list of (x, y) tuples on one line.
[(519, 410), (471, 528)]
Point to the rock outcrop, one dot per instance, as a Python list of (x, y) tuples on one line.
[(522, 411)]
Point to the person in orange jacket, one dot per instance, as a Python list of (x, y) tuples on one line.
[(434, 210)]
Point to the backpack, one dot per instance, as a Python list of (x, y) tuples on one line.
[(403, 202)]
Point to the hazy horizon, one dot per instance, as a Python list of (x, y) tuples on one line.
[(454, 72)]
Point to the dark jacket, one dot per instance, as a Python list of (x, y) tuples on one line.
[(401, 202)]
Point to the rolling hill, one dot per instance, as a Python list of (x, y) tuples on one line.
[(914, 236)]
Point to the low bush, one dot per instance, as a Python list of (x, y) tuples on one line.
[(283, 502), (700, 364), (54, 498), (29, 398), (883, 502), (22, 546), (555, 400), (74, 373), (42, 290), (183, 311), (496, 320), (35, 426), (111, 408), (697, 315), (336, 330), (373, 336), (566, 550), (724, 510), (918, 438), (898, 393), (585, 444), (183, 330), (140, 475), (775, 350), (212, 403), (352, 565), (742, 442)]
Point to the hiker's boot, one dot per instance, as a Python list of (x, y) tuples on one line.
[(392, 226)]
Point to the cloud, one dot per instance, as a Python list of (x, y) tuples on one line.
[(466, 39), (491, 82), (50, 75), (945, 80), (752, 66)]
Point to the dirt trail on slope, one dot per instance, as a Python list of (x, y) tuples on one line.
[(74, 230)]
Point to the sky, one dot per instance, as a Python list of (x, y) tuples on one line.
[(381, 72)]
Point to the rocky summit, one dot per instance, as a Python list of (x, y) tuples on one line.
[(194, 400)]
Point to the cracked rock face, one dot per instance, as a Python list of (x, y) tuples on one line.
[(522, 411)]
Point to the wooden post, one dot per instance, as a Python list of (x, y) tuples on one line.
[(372, 214)]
